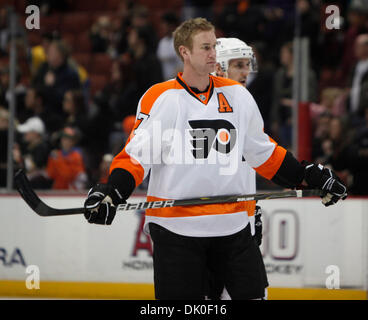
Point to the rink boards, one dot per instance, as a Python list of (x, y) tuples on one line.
[(310, 252)]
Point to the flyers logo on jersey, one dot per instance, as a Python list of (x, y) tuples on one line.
[(207, 134)]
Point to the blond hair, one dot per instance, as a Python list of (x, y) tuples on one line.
[(183, 34)]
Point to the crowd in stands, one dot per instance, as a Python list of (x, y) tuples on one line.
[(80, 77)]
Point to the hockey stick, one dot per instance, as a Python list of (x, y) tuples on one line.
[(42, 209)]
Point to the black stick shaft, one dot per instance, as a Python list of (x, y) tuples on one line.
[(31, 198)]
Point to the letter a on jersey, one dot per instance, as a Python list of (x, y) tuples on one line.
[(223, 104)]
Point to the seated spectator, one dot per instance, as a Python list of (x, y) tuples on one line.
[(65, 166), (32, 152), (170, 62), (56, 76)]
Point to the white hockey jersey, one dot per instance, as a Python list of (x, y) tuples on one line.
[(197, 145)]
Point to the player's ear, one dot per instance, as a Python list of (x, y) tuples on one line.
[(183, 50), (219, 71)]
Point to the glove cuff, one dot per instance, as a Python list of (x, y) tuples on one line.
[(115, 196), (313, 174)]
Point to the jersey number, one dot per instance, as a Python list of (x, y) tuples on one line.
[(141, 117), (223, 104)]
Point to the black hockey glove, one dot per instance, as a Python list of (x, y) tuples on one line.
[(101, 202), (320, 177), (258, 225)]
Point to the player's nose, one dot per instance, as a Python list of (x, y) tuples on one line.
[(212, 53), (245, 72)]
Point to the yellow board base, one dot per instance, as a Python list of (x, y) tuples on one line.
[(315, 294), (140, 291)]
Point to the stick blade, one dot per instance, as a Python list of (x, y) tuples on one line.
[(23, 186), (21, 183)]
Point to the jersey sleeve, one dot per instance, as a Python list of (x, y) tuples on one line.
[(143, 148)]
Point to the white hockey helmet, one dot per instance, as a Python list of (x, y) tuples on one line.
[(233, 48)]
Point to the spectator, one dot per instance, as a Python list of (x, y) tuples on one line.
[(354, 157), (35, 105), (33, 155), (281, 111), (140, 18), (38, 52), (320, 134), (170, 62), (146, 66), (332, 101), (359, 76), (56, 76), (77, 114), (357, 18), (119, 97), (79, 118), (84, 79), (337, 134), (65, 166), (331, 138), (20, 91), (121, 25), (101, 34), (38, 57)]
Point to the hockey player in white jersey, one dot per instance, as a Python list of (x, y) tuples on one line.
[(192, 134), (235, 60)]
